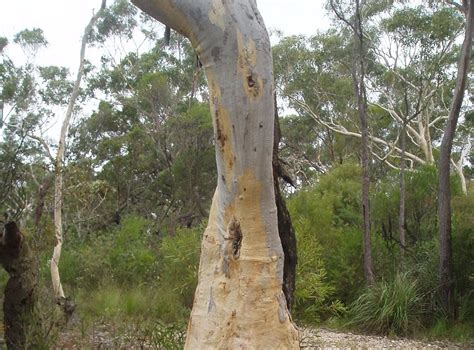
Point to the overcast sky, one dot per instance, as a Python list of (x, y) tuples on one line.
[(63, 22)]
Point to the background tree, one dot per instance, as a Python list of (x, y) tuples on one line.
[(58, 183), (355, 23), (444, 189)]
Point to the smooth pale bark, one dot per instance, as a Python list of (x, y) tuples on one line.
[(458, 165), (58, 182), (239, 301), (20, 291), (444, 188)]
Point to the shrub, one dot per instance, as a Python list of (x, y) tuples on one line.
[(327, 224), (179, 262), (387, 307), (124, 256)]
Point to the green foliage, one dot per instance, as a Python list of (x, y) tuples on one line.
[(125, 273), (119, 19), (3, 43), (327, 223), (419, 25), (31, 39), (57, 88), (463, 247), (126, 255), (329, 213), (460, 332), (179, 261), (389, 307)]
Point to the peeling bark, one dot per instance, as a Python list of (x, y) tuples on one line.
[(239, 301), (20, 292)]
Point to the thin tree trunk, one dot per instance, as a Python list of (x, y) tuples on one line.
[(58, 183), (285, 226), (402, 210), (20, 293), (360, 93), (444, 189), (239, 301), (358, 78)]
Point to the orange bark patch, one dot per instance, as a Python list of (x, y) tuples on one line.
[(246, 66), (248, 211)]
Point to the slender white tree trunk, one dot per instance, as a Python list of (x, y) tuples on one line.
[(58, 183), (239, 301)]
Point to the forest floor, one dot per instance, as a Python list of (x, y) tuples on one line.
[(322, 338), (312, 338)]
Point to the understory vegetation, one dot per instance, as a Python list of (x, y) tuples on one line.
[(405, 299), (136, 282)]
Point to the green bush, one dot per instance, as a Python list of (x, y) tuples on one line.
[(388, 308), (327, 224), (179, 263), (126, 255)]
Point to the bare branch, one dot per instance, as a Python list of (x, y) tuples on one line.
[(341, 16), (461, 7), (343, 131)]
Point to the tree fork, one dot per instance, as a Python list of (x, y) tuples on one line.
[(239, 301)]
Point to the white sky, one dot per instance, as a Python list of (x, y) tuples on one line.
[(63, 22)]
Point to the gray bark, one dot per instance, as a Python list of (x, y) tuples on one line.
[(358, 78), (444, 189)]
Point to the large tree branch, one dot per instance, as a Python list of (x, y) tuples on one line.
[(343, 131)]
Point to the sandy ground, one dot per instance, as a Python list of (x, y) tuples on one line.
[(326, 339)]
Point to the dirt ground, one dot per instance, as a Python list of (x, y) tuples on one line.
[(327, 339), (311, 338)]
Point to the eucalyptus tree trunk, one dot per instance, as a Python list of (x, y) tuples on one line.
[(361, 96), (402, 203), (444, 189), (354, 22), (58, 182), (21, 289), (239, 301)]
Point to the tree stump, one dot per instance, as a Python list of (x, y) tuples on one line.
[(20, 292)]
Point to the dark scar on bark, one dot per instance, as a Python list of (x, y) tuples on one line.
[(235, 233)]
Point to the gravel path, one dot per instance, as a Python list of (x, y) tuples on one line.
[(326, 339)]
